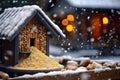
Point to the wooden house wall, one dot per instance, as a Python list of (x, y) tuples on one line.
[(7, 52), (33, 30), (0, 51)]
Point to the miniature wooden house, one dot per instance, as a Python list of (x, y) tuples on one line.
[(21, 28)]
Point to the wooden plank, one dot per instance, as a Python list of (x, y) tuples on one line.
[(89, 75), (8, 51)]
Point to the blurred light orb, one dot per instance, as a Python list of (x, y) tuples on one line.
[(64, 22), (70, 17), (105, 20), (69, 28)]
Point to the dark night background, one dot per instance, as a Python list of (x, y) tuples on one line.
[(45, 4)]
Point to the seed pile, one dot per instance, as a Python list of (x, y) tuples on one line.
[(37, 60)]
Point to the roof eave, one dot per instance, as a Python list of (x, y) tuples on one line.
[(52, 26)]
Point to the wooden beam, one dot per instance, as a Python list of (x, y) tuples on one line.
[(47, 44), (113, 74), (0, 51), (16, 50)]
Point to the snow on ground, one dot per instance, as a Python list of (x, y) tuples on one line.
[(58, 52)]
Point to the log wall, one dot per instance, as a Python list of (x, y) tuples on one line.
[(33, 30)]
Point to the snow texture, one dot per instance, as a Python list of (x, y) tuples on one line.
[(95, 3), (54, 73)]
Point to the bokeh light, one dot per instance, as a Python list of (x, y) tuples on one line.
[(69, 28)]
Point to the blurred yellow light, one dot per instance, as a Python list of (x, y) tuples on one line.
[(105, 20), (69, 28), (70, 17), (64, 22)]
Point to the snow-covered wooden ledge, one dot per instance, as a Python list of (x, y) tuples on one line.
[(79, 74)]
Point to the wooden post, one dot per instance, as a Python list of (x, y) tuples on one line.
[(16, 50), (0, 51), (47, 44)]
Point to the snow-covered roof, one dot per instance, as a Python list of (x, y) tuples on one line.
[(107, 4), (13, 20)]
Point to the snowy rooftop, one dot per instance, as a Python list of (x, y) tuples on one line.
[(114, 4), (12, 20)]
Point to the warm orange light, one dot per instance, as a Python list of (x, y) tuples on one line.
[(70, 17), (64, 22), (105, 20), (69, 28)]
